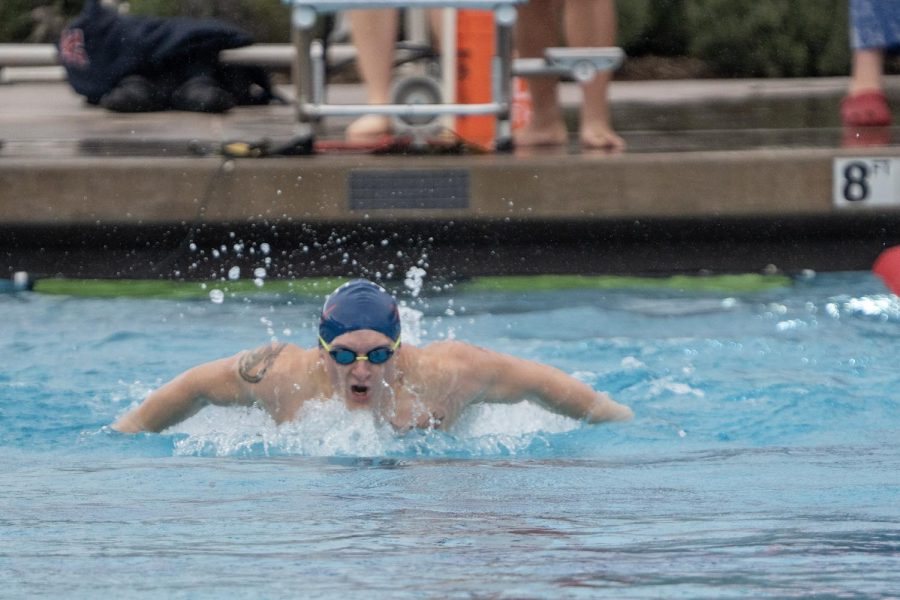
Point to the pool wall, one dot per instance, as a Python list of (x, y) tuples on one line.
[(88, 193)]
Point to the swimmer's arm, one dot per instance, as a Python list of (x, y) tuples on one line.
[(511, 379), (210, 383)]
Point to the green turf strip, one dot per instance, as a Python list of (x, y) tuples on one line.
[(748, 282), (317, 287), (182, 290)]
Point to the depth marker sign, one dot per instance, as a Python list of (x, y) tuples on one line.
[(860, 182)]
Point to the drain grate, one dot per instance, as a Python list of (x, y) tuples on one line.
[(423, 189)]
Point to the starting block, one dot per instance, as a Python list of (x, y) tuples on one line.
[(309, 68), (581, 64), (419, 102)]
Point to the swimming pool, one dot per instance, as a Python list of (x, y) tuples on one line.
[(763, 460)]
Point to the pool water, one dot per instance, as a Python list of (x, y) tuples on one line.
[(763, 460)]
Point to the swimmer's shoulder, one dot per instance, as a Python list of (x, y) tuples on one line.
[(453, 348), (273, 359), (456, 373), (454, 353), (279, 377), (467, 359)]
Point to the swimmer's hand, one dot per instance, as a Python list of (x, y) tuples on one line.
[(127, 424), (605, 408)]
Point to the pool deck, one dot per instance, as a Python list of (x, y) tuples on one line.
[(719, 176)]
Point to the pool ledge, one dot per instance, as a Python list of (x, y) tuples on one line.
[(759, 183), (80, 197)]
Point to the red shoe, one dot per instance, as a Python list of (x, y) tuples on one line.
[(866, 109)]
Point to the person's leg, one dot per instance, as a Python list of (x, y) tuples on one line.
[(535, 31), (865, 104), (374, 34), (867, 69), (873, 27), (592, 23)]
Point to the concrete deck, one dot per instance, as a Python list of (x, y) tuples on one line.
[(719, 176)]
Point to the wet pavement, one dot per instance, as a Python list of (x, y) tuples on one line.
[(48, 119)]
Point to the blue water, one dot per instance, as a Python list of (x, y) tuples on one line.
[(763, 461)]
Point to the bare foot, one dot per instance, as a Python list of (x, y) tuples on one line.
[(601, 137), (369, 128), (552, 134)]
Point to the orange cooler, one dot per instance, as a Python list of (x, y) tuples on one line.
[(475, 52)]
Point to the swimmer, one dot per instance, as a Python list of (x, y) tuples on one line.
[(360, 360)]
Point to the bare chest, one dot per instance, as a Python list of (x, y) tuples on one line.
[(435, 408)]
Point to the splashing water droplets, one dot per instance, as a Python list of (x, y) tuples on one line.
[(415, 278), (328, 428), (325, 428)]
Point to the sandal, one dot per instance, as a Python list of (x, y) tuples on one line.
[(866, 109)]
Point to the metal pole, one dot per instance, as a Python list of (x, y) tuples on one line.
[(505, 17), (448, 62), (303, 20)]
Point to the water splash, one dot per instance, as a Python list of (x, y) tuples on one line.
[(328, 428), (415, 280), (411, 324), (883, 307)]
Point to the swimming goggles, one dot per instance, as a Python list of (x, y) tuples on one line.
[(345, 356)]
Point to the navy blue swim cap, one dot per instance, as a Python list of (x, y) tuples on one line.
[(359, 304)]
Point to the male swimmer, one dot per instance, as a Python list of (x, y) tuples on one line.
[(361, 361)]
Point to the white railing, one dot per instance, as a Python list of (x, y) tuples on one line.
[(39, 62)]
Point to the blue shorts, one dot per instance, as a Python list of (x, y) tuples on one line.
[(875, 24)]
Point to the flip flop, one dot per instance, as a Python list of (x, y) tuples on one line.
[(866, 109)]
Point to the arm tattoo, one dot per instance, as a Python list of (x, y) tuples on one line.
[(254, 363)]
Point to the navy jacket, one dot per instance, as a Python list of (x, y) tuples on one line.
[(100, 47)]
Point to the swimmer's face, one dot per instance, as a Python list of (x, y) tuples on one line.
[(361, 384)]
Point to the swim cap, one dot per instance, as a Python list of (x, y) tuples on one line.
[(359, 304)]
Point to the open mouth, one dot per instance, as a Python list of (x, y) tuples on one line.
[(360, 393)]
